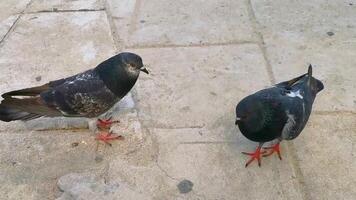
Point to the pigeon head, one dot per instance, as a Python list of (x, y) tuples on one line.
[(120, 72), (314, 84), (132, 63), (250, 114)]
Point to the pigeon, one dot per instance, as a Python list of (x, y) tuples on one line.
[(277, 113), (87, 94)]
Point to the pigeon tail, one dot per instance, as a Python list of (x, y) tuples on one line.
[(8, 114), (34, 91), (24, 109)]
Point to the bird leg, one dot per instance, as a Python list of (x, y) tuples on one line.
[(255, 155), (107, 136), (274, 148), (105, 123)]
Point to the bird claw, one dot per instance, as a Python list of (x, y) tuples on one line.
[(107, 136), (274, 148), (254, 156), (106, 123)]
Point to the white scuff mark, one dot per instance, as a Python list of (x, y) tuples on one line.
[(88, 52), (295, 94)]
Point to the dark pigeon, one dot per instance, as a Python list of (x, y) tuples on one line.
[(277, 113), (88, 94)]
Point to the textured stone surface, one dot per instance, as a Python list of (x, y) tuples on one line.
[(54, 5), (9, 13), (31, 162), (53, 46), (296, 34), (87, 186), (44, 53), (205, 84), (217, 168), (181, 22), (327, 157), (178, 123)]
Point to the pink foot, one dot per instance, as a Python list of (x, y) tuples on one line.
[(107, 136), (255, 156), (274, 148), (105, 123)]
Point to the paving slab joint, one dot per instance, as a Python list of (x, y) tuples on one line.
[(242, 42), (293, 159), (119, 46), (158, 126), (261, 42), (290, 149), (334, 112), (64, 11), (134, 16)]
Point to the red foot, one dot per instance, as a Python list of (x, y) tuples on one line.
[(274, 148), (106, 136), (255, 155), (105, 123)]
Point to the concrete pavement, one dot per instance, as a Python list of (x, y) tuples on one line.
[(178, 122)]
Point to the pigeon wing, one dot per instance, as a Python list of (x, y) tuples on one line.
[(82, 95)]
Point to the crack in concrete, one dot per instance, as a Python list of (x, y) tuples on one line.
[(165, 172), (105, 174), (12, 27)]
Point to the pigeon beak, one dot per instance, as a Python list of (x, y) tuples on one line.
[(143, 69), (237, 119)]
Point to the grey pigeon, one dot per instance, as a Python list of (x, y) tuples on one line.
[(277, 113), (88, 94)]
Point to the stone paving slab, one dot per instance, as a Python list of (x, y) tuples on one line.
[(9, 13), (6, 24), (195, 87), (180, 138), (182, 22), (296, 35), (217, 169), (327, 157), (37, 159), (31, 162), (60, 5), (87, 186), (53, 46)]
